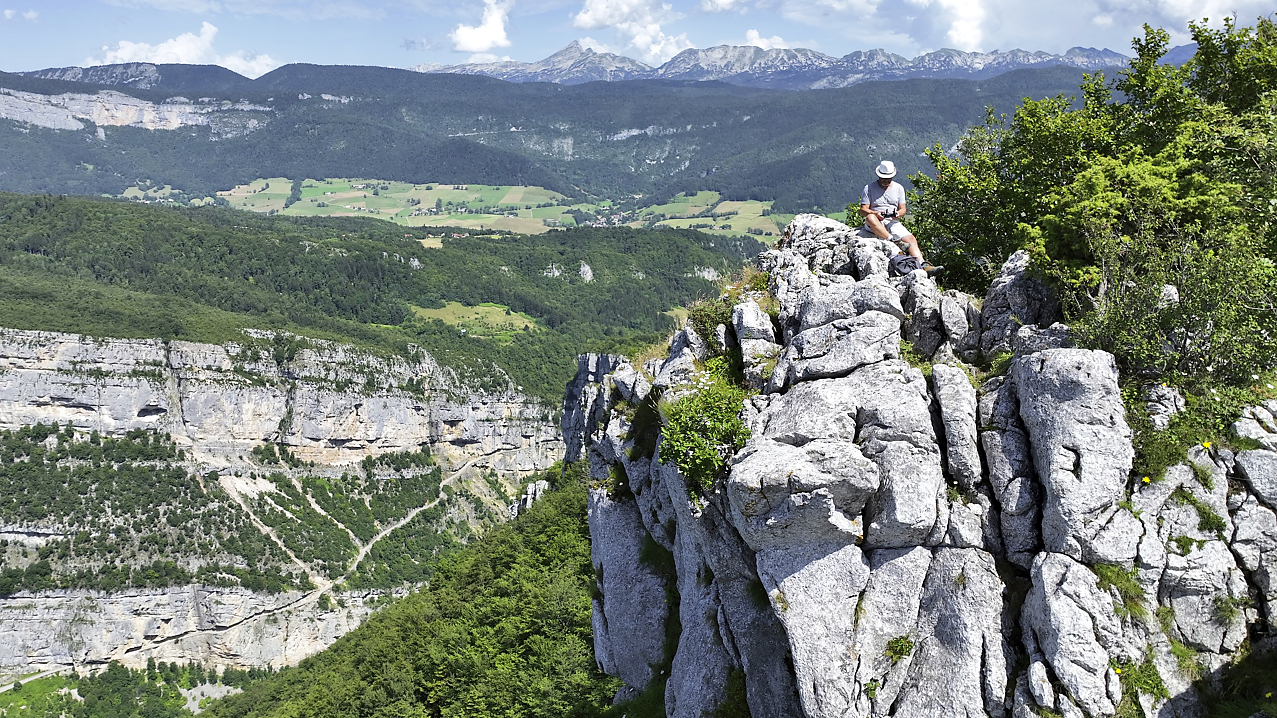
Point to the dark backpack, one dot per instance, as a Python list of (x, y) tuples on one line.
[(903, 265)]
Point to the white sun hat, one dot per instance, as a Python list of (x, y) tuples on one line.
[(886, 168)]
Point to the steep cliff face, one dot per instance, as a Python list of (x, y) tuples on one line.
[(322, 402), (329, 403), (889, 543)]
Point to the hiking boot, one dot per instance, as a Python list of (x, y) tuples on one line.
[(932, 269)]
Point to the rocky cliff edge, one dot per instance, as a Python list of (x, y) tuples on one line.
[(889, 543)]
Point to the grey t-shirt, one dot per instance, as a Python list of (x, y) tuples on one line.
[(879, 199)]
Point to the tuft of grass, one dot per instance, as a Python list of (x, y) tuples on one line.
[(1203, 475), (871, 688), (898, 648), (1207, 519), (1227, 608), (1183, 544), (1132, 596), (1186, 659), (1141, 678), (916, 360)]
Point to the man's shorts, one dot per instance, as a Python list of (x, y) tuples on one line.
[(897, 229)]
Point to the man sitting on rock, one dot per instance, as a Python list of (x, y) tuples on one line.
[(882, 204)]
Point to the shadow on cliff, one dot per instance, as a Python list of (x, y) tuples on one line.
[(1249, 687)]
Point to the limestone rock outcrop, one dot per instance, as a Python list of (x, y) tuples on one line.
[(893, 541), (327, 402)]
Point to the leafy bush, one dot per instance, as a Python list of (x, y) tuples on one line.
[(702, 432), (1152, 214), (898, 648)]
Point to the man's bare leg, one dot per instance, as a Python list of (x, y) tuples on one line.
[(914, 251), (875, 225)]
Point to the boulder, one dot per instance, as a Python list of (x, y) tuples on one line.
[(1081, 446), (957, 401), (1013, 300), (837, 348)]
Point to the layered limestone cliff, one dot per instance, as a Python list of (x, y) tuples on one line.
[(889, 543), (327, 403), (69, 111)]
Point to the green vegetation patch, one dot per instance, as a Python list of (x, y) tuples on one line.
[(898, 649), (703, 429), (202, 274), (1132, 599), (503, 629)]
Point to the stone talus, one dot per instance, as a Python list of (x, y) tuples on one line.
[(918, 545)]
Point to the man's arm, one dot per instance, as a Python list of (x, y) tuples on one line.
[(865, 211), (900, 210)]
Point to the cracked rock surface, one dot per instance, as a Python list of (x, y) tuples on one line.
[(898, 542)]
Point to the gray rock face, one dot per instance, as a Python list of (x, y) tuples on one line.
[(1081, 445), (216, 627), (1014, 300), (220, 402), (757, 339), (629, 620), (328, 403), (958, 410), (846, 579), (837, 348), (1074, 624)]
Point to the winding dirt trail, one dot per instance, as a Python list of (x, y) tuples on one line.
[(322, 585)]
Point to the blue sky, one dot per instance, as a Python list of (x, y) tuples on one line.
[(254, 36)]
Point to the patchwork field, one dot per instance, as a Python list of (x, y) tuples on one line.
[(513, 208)]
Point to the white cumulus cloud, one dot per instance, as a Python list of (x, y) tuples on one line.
[(29, 15), (489, 33), (966, 19), (775, 42), (722, 5), (639, 22), (187, 49)]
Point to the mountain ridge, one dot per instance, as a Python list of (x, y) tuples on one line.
[(778, 68)]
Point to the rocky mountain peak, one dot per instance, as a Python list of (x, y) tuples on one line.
[(915, 538)]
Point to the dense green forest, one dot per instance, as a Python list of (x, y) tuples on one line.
[(502, 630), (603, 140), (119, 692), (119, 269)]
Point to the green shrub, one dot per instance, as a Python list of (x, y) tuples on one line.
[(703, 431), (898, 648), (707, 314)]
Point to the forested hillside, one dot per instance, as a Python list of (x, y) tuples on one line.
[(119, 269), (613, 140), (502, 630)]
